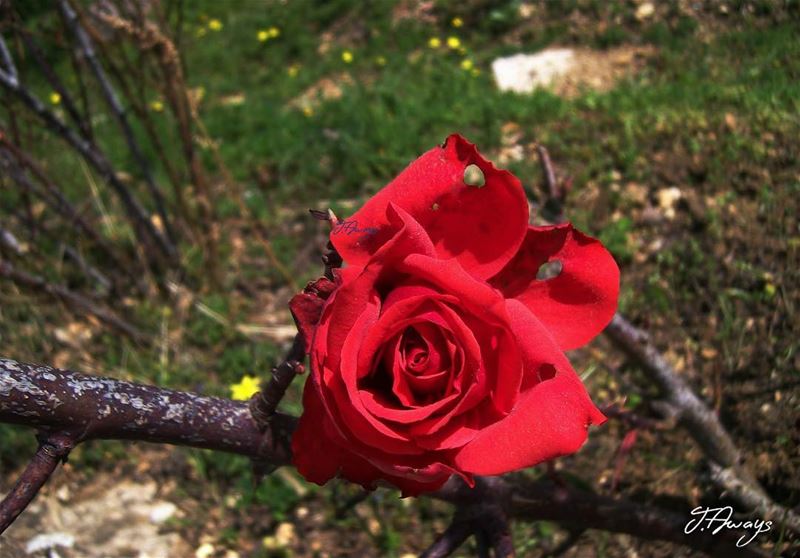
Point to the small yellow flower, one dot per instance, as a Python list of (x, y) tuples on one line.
[(215, 24), (308, 111), (453, 42), (200, 33), (457, 22), (293, 70), (347, 57), (434, 42), (466, 64), (263, 36), (55, 98), (380, 60), (274, 32), (245, 389), (156, 106)]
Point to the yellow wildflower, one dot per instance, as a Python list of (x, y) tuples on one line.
[(215, 24), (457, 22), (380, 60), (245, 389), (466, 64), (434, 42), (453, 42), (347, 56), (55, 98), (201, 32), (263, 36), (293, 70), (274, 32), (156, 106), (308, 111)]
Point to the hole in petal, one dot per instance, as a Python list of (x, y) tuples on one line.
[(549, 270), (546, 372), (473, 176)]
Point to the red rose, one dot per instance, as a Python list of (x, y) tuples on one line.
[(437, 351)]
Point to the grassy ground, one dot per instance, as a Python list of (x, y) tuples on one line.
[(345, 95)]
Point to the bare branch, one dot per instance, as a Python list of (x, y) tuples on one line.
[(9, 73), (578, 509), (702, 424), (104, 408), (52, 77), (77, 301), (265, 402), (145, 229), (555, 192), (743, 492), (53, 448), (121, 116), (53, 195), (449, 541)]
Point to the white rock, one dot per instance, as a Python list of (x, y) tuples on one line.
[(162, 512), (47, 541), (522, 73), (204, 550), (644, 11)]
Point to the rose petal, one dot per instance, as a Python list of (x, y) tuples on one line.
[(549, 420), (578, 303), (481, 227), (488, 308), (318, 458)]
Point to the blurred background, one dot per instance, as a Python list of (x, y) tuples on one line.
[(158, 158)]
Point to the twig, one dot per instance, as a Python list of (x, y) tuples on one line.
[(104, 283), (555, 191), (53, 448), (9, 72), (732, 483), (55, 82), (637, 421), (145, 230), (702, 424), (448, 542), (74, 299), (55, 198), (139, 106), (120, 115), (103, 408), (264, 403), (481, 511), (578, 509)]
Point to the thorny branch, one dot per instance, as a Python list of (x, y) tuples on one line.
[(91, 407), (73, 299), (53, 448), (145, 230), (120, 115), (264, 403), (727, 462)]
